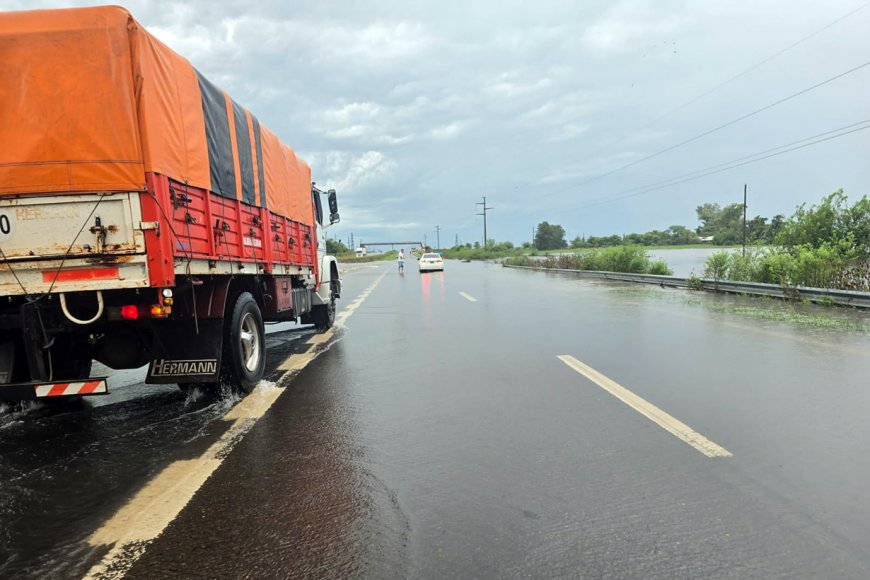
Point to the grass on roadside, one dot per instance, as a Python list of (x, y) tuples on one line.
[(629, 259), (354, 259)]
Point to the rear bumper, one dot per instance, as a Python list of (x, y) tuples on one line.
[(32, 391), (76, 275)]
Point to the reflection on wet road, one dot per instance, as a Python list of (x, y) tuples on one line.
[(438, 435)]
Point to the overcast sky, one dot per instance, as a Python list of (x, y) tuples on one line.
[(414, 110)]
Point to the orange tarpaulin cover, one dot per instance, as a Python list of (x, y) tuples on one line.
[(90, 101)]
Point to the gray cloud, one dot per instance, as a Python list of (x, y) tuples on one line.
[(414, 110)]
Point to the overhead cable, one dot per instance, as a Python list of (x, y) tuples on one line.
[(717, 128), (748, 70), (733, 164)]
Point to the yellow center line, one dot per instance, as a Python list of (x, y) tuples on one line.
[(158, 503), (648, 410)]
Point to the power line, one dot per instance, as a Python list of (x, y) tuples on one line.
[(746, 71), (733, 164), (714, 129), (728, 81), (739, 159)]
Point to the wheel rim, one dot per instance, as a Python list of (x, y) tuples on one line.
[(249, 337)]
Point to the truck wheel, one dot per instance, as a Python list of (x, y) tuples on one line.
[(323, 315), (244, 344)]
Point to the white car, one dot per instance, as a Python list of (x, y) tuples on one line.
[(431, 262)]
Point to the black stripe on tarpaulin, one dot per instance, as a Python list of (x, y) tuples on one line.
[(217, 136), (260, 172), (243, 145)]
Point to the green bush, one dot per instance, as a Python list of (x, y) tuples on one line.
[(717, 266), (804, 265), (521, 261), (494, 252), (660, 267), (631, 259)]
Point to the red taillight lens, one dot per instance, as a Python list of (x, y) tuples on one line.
[(130, 312)]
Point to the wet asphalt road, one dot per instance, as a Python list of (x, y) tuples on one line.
[(440, 437)]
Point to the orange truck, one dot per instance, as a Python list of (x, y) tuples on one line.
[(145, 216)]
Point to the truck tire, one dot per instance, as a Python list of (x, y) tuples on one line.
[(323, 315), (244, 358)]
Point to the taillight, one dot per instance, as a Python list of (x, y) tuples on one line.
[(130, 312)]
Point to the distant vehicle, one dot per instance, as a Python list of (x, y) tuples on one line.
[(431, 262), (360, 252)]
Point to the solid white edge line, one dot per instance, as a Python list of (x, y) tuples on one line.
[(648, 410)]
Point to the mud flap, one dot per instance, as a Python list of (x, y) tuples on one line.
[(7, 361), (36, 342), (181, 355)]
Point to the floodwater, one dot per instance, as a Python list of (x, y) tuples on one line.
[(686, 262)]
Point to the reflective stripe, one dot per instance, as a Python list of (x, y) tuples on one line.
[(66, 389), (89, 387), (57, 389)]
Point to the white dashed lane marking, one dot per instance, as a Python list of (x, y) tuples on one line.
[(468, 297), (673, 426)]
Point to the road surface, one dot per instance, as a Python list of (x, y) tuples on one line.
[(483, 422)]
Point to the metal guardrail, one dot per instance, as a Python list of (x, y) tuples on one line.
[(819, 295)]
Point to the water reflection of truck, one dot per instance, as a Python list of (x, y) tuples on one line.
[(145, 216)]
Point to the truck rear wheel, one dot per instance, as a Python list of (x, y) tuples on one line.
[(323, 315), (244, 345)]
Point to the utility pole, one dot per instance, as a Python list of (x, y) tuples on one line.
[(483, 213), (425, 243), (352, 247), (457, 241), (438, 237), (744, 220)]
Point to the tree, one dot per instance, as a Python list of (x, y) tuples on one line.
[(725, 224), (681, 235), (831, 221), (549, 237), (775, 226), (756, 229), (708, 215), (335, 247), (578, 242)]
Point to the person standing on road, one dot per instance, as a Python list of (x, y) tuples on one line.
[(401, 260)]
